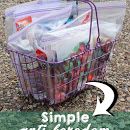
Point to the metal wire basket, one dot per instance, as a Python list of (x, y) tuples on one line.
[(56, 82)]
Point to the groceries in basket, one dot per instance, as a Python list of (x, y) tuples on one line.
[(56, 53), (58, 45)]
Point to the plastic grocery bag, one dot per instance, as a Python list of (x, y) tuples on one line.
[(39, 27), (67, 39), (19, 16), (108, 11), (27, 38), (9, 16)]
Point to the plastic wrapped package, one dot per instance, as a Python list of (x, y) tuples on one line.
[(22, 15), (108, 11), (36, 38), (37, 29), (70, 38), (9, 16), (36, 11), (67, 39)]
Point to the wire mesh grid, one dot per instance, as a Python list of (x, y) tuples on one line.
[(56, 82)]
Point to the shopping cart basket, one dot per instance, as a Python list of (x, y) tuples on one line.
[(57, 81)]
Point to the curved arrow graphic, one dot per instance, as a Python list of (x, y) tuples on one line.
[(109, 96)]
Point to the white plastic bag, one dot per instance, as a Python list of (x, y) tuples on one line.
[(108, 11), (22, 15), (9, 16), (65, 42)]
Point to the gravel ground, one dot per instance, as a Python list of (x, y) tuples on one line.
[(118, 74)]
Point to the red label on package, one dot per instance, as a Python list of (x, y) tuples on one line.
[(87, 18), (20, 24)]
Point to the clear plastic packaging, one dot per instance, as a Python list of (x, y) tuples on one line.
[(61, 15), (41, 9), (9, 16), (65, 42), (108, 11), (22, 15)]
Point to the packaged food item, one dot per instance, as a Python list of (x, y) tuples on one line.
[(59, 15), (9, 17), (35, 15), (21, 23)]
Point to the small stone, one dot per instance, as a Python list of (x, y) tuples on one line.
[(94, 91), (8, 94), (34, 105), (51, 109), (122, 100), (30, 106), (89, 101), (15, 98), (1, 108), (4, 110), (77, 98), (124, 95), (13, 82), (88, 92), (128, 99)]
